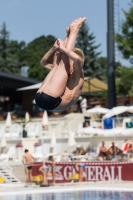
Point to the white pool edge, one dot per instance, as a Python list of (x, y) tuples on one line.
[(60, 190)]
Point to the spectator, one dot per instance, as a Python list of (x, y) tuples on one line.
[(83, 104), (103, 151), (82, 151), (78, 105), (87, 124), (76, 152), (130, 149), (113, 151)]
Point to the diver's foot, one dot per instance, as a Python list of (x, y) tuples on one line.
[(76, 24)]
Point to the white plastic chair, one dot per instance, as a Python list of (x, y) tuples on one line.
[(11, 154), (31, 130), (15, 130)]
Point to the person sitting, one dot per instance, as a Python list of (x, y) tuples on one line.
[(130, 150), (76, 151), (103, 151), (82, 151), (113, 151)]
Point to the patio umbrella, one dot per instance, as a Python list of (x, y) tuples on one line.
[(128, 131), (71, 139), (27, 118), (8, 120), (113, 132), (115, 111), (130, 109), (90, 131), (45, 118), (53, 140), (97, 110), (92, 84)]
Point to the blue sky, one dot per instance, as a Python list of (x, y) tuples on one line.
[(29, 19)]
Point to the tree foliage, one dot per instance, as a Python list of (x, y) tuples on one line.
[(125, 39), (86, 42), (124, 80), (33, 53), (10, 52)]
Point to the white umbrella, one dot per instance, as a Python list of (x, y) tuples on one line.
[(90, 131), (53, 140), (130, 109), (27, 118), (71, 139), (113, 132), (8, 120), (115, 111), (97, 110), (128, 131), (45, 118)]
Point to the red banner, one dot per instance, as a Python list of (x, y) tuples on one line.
[(94, 171)]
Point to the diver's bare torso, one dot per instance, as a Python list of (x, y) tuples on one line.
[(73, 88)]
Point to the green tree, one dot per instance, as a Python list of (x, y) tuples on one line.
[(124, 80), (9, 52), (32, 54), (125, 38), (86, 42)]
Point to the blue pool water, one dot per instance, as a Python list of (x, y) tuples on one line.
[(82, 195)]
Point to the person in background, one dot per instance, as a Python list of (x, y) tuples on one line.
[(78, 105), (52, 167), (130, 148), (82, 151), (76, 151), (47, 170), (87, 124), (80, 168), (27, 161), (83, 104), (44, 171), (114, 150), (103, 151)]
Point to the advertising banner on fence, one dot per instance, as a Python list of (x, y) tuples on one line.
[(93, 171)]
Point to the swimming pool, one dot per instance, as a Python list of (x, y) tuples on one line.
[(81, 195)]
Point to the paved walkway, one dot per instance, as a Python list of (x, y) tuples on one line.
[(10, 189)]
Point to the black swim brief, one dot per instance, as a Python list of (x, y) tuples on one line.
[(29, 167), (47, 102)]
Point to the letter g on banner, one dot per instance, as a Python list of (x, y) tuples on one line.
[(67, 169)]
